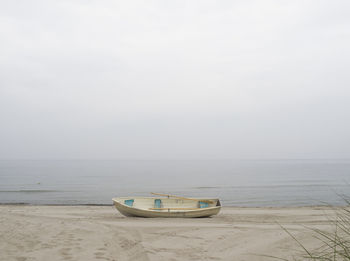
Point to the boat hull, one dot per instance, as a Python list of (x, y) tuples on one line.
[(166, 212)]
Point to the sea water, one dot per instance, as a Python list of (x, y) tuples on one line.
[(251, 183)]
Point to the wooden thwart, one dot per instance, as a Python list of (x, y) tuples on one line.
[(172, 196), (174, 208)]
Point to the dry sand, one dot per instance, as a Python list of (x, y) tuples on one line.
[(101, 233)]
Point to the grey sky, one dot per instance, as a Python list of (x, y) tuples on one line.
[(174, 79)]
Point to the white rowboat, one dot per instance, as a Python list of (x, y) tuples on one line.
[(171, 206)]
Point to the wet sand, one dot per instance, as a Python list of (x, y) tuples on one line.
[(101, 233)]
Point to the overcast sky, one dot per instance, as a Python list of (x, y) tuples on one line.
[(174, 79)]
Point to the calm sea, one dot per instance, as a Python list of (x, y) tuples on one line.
[(236, 183)]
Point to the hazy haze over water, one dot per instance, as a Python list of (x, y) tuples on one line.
[(198, 98)]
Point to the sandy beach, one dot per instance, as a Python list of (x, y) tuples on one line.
[(101, 233)]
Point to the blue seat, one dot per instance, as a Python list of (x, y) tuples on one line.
[(203, 204), (157, 203), (129, 202)]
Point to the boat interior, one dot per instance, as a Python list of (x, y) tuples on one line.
[(168, 204)]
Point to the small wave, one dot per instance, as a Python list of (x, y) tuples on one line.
[(274, 186), (14, 204), (29, 191), (207, 187)]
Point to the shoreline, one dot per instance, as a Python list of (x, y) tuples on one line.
[(225, 206), (81, 232)]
